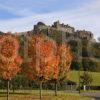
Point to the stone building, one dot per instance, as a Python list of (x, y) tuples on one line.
[(40, 26), (56, 26), (63, 28), (68, 30), (84, 34)]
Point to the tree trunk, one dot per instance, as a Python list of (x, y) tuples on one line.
[(40, 90), (55, 88), (79, 81), (7, 89), (13, 90)]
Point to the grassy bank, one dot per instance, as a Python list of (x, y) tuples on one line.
[(74, 76)]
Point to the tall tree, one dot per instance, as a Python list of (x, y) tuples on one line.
[(9, 58), (61, 72), (42, 59)]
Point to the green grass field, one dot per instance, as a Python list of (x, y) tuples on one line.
[(46, 95), (49, 95), (74, 76)]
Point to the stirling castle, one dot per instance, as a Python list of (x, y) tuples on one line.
[(62, 28)]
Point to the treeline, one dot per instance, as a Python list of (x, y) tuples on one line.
[(23, 83), (86, 52), (34, 56)]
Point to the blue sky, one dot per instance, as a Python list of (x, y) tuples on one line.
[(14, 8), (21, 15)]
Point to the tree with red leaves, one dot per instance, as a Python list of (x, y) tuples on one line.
[(10, 61), (65, 54), (43, 60), (61, 73)]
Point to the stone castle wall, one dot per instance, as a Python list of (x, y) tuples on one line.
[(70, 31)]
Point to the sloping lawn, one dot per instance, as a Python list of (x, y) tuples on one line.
[(74, 76)]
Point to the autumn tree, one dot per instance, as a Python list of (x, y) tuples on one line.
[(10, 61), (61, 72), (42, 61)]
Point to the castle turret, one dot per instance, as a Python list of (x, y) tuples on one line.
[(70, 31), (40, 26), (63, 28)]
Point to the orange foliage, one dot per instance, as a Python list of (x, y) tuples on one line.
[(9, 59), (47, 59), (44, 59), (65, 60), (8, 47)]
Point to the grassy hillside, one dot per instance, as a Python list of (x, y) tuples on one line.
[(74, 76)]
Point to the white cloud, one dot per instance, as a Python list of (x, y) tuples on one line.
[(84, 17)]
